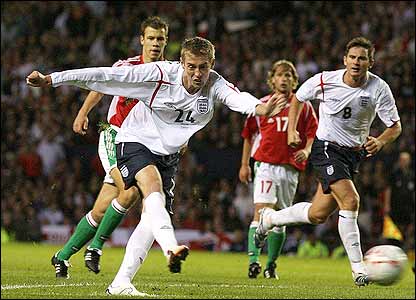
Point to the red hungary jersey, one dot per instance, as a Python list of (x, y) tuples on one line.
[(269, 135), (121, 106)]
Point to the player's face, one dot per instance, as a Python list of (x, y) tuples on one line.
[(283, 80), (196, 71), (357, 62), (154, 42)]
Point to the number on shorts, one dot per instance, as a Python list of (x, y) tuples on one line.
[(265, 183)]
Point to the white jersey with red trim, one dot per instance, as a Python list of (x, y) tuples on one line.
[(121, 106), (346, 113), (170, 115)]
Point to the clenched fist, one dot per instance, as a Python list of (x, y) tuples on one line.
[(37, 79)]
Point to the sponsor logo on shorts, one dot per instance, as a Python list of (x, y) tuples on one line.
[(330, 170), (124, 171)]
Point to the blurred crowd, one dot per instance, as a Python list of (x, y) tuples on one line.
[(51, 175)]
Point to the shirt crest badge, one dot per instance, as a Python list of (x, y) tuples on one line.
[(202, 105), (330, 170), (364, 100)]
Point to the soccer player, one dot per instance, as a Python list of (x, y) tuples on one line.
[(277, 165), (153, 38), (349, 100), (177, 99)]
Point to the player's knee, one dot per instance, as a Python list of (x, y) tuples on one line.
[(351, 202), (127, 197), (317, 217)]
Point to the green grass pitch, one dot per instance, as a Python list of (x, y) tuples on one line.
[(26, 273)]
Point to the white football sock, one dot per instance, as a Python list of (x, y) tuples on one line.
[(162, 228), (138, 246), (295, 214), (350, 236)]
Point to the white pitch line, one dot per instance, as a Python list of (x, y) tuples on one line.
[(36, 286), (222, 285)]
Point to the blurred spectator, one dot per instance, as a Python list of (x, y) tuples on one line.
[(56, 34), (50, 151), (312, 248), (400, 196), (51, 215), (294, 238), (243, 202), (30, 160)]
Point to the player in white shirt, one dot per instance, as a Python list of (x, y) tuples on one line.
[(349, 100), (178, 100), (153, 38)]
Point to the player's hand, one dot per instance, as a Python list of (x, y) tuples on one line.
[(183, 149), (372, 146), (275, 105), (80, 124), (301, 155), (37, 79), (245, 174), (293, 139)]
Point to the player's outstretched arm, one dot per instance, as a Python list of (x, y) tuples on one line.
[(117, 81), (37, 79), (293, 138), (273, 106)]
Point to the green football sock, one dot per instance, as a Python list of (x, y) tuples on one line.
[(112, 218), (83, 233), (275, 243), (253, 251)]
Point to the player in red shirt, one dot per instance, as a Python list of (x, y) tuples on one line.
[(277, 165)]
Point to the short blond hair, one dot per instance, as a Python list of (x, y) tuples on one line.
[(287, 65), (198, 46)]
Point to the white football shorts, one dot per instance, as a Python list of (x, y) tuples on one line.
[(107, 151), (275, 184)]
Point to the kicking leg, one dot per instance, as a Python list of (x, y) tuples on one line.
[(150, 182)]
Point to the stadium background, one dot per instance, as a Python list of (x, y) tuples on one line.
[(51, 176)]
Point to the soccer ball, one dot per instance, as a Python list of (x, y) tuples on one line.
[(385, 264)]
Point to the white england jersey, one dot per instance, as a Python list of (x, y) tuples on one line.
[(170, 115), (346, 113), (121, 106)]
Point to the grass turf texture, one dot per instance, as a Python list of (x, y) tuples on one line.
[(26, 273)]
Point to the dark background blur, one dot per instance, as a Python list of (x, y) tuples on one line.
[(50, 175)]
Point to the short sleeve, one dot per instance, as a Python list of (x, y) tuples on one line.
[(306, 91)]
